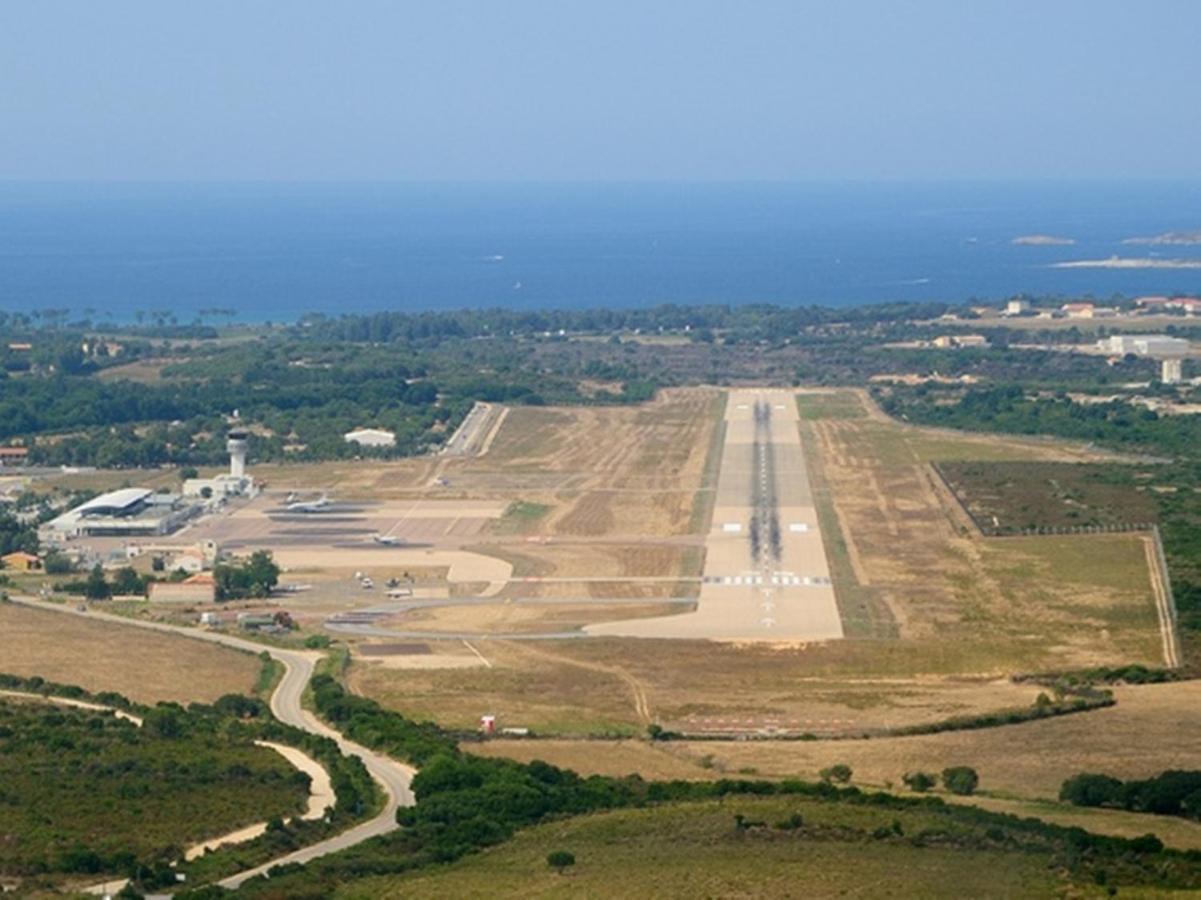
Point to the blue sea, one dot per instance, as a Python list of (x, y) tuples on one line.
[(274, 252)]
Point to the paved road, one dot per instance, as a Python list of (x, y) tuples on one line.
[(394, 778)]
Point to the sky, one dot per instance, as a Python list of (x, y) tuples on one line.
[(522, 90)]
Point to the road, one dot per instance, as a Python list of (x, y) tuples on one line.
[(394, 778)]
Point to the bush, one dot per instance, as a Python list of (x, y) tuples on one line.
[(919, 781), (839, 773), (1091, 790), (560, 860), (962, 780), (56, 563)]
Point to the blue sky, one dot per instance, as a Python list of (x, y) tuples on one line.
[(568, 89)]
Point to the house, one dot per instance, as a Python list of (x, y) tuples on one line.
[(370, 437), (20, 561), (956, 341), (1190, 306), (14, 456), (1017, 307), (269, 623), (194, 589), (1088, 311)]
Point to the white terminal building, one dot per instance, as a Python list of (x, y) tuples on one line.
[(129, 512), (1169, 351)]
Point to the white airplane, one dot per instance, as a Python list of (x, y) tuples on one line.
[(309, 506), (390, 540)]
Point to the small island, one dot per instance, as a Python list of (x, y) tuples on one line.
[(1128, 262), (1168, 238), (1042, 240)]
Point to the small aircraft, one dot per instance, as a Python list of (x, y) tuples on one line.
[(308, 506), (389, 540)]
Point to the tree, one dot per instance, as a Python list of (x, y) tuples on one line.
[(56, 563), (961, 780), (254, 577), (919, 781), (128, 582), (1088, 789), (560, 860), (96, 588), (839, 772)]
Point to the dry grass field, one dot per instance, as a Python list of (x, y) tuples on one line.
[(605, 686), (99, 656), (523, 618), (909, 563), (1151, 729)]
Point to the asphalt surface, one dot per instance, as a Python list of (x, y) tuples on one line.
[(394, 778)]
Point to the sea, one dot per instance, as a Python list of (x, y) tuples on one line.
[(258, 252)]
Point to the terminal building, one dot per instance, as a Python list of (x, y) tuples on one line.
[(129, 512)]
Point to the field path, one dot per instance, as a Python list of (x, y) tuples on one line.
[(393, 777), (637, 690)]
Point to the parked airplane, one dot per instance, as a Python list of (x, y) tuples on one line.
[(390, 539), (309, 506)]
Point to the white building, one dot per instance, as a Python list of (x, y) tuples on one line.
[(370, 437), (236, 483), (129, 512), (1169, 351), (1157, 345), (1017, 307)]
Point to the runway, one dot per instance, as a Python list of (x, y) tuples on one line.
[(765, 575)]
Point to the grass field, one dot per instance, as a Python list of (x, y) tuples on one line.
[(1152, 729), (99, 656), (695, 850), (601, 686), (904, 545)]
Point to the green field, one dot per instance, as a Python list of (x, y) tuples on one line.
[(81, 792), (696, 850)]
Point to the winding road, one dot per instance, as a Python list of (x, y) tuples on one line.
[(394, 778)]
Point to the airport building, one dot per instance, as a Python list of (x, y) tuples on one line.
[(235, 483), (370, 437), (129, 512)]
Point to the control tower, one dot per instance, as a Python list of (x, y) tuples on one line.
[(237, 445)]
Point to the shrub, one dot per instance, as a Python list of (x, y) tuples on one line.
[(560, 860), (840, 773), (961, 780), (919, 781)]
